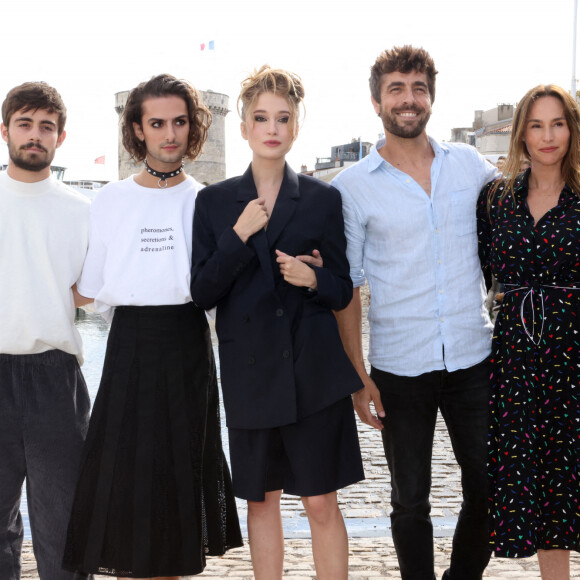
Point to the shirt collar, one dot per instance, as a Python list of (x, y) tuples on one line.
[(375, 159), (521, 189), (521, 184)]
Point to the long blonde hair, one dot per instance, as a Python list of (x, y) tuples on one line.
[(518, 149)]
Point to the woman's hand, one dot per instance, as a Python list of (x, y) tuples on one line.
[(296, 272), (314, 260), (253, 219)]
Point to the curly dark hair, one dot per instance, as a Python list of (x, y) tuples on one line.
[(161, 86), (33, 96), (403, 59)]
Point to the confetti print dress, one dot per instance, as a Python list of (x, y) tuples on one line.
[(534, 456)]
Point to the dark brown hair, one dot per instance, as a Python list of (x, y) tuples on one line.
[(162, 86), (33, 96), (403, 59), (518, 149)]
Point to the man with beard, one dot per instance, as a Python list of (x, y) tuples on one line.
[(154, 495), (409, 211), (44, 402)]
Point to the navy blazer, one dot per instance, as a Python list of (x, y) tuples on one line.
[(281, 357)]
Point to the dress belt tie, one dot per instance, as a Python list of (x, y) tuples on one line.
[(533, 289)]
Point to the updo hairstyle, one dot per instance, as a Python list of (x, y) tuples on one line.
[(271, 80)]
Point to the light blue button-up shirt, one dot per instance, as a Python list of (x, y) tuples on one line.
[(419, 255)]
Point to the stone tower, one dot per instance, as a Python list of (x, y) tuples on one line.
[(210, 166)]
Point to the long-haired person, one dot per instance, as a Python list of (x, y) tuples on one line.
[(285, 376), (154, 495), (529, 235)]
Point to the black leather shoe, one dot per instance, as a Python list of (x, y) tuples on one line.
[(446, 575)]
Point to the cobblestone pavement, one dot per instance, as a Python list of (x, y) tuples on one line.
[(365, 507), (370, 559)]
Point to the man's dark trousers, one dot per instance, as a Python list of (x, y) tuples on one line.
[(411, 405), (44, 415)]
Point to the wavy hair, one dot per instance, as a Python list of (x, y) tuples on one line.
[(33, 96), (518, 149), (403, 59), (162, 86)]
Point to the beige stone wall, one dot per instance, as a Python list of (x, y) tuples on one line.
[(499, 113), (210, 166), (493, 143)]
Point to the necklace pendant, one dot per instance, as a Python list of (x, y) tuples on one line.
[(163, 176)]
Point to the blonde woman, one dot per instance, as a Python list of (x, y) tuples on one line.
[(285, 376)]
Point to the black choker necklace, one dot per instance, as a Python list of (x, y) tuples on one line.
[(163, 177)]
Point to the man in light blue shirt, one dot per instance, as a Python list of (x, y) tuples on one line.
[(409, 210)]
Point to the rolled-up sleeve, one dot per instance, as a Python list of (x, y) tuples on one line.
[(355, 235)]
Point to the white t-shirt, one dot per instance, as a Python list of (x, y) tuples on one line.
[(43, 242), (139, 246)]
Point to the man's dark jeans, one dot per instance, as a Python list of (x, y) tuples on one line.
[(411, 405)]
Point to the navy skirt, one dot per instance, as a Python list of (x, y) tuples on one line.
[(316, 455), (154, 494)]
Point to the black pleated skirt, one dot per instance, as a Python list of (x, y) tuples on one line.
[(154, 494)]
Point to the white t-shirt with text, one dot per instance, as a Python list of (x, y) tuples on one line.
[(139, 246)]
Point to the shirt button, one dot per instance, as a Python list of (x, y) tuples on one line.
[(251, 360), (439, 261), (442, 319), (285, 353), (408, 181), (279, 312), (440, 291), (437, 231)]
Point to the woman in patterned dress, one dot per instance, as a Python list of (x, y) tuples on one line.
[(529, 235)]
